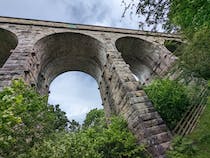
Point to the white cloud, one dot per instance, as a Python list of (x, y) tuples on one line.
[(103, 12)]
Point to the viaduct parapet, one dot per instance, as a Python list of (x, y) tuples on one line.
[(38, 51)]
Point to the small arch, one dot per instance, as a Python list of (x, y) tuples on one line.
[(173, 46), (8, 42), (142, 56)]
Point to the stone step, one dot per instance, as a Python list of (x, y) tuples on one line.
[(159, 138), (157, 129), (159, 150), (153, 122), (149, 116)]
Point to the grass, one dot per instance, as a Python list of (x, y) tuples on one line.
[(201, 134)]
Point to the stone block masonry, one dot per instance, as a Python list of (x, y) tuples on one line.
[(38, 51)]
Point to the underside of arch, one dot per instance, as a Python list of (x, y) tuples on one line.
[(8, 41), (142, 56), (67, 51)]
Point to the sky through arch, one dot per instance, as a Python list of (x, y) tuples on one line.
[(76, 92)]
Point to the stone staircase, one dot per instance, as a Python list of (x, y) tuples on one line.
[(159, 136)]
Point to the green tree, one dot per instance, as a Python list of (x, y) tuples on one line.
[(29, 128), (95, 118), (64, 145), (188, 15), (93, 140), (60, 119), (74, 126), (25, 118), (117, 141), (151, 12), (196, 54)]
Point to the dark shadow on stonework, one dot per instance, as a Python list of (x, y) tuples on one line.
[(62, 52), (8, 41), (142, 56), (173, 46)]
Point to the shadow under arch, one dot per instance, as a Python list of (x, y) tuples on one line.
[(8, 41), (141, 55), (174, 47), (61, 52)]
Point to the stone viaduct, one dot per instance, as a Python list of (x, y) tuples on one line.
[(38, 51)]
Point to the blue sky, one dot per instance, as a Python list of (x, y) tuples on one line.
[(76, 92)]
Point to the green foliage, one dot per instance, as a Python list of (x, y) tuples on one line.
[(196, 144), (193, 18), (29, 128), (25, 119), (152, 13), (196, 54), (64, 145), (190, 15), (92, 141), (74, 126), (117, 141), (181, 148), (95, 118), (169, 98)]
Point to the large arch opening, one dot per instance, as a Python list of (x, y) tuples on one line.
[(8, 41), (62, 52), (142, 56), (76, 92)]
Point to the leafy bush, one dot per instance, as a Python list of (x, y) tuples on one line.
[(169, 98), (181, 148), (98, 141), (64, 145), (117, 141), (196, 144), (29, 128), (25, 118)]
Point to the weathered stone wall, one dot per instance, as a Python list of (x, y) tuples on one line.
[(110, 55)]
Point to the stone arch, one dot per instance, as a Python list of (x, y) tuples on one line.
[(173, 46), (143, 57), (8, 42), (62, 52)]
